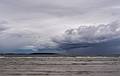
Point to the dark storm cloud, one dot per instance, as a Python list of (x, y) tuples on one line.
[(91, 40)]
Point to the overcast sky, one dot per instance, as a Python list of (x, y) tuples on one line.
[(33, 23)]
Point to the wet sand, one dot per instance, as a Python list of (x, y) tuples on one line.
[(59, 66)]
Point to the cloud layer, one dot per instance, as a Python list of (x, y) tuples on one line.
[(31, 24)]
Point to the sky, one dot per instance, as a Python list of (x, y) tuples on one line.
[(68, 26)]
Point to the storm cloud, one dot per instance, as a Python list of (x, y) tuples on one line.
[(103, 39)]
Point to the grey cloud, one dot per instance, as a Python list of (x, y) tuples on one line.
[(66, 11), (56, 8), (3, 26), (13, 40), (21, 40)]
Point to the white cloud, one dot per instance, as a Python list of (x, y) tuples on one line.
[(91, 34)]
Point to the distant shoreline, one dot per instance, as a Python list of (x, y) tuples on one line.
[(53, 55)]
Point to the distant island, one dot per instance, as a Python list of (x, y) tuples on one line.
[(28, 54)]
